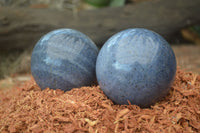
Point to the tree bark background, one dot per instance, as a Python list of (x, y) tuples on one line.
[(21, 28)]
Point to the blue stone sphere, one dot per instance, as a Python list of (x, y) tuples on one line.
[(64, 59), (136, 65)]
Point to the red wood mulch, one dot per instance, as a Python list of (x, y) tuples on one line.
[(87, 109)]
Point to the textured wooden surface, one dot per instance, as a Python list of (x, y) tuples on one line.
[(22, 27), (188, 57)]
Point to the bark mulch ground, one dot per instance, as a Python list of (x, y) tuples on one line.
[(28, 109)]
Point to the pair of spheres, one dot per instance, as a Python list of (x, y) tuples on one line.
[(135, 65)]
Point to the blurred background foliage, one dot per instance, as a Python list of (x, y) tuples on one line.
[(103, 3), (192, 34)]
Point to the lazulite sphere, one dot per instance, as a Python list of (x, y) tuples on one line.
[(136, 65), (64, 59)]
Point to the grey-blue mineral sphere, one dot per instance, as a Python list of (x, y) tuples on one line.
[(136, 65), (64, 59)]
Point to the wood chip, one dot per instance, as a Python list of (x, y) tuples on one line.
[(27, 108)]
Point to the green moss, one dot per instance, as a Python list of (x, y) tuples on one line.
[(98, 3), (117, 3), (196, 29), (103, 3)]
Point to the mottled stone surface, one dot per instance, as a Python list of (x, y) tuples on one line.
[(64, 59), (136, 65)]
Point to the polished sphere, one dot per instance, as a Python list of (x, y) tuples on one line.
[(64, 59), (136, 65)]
